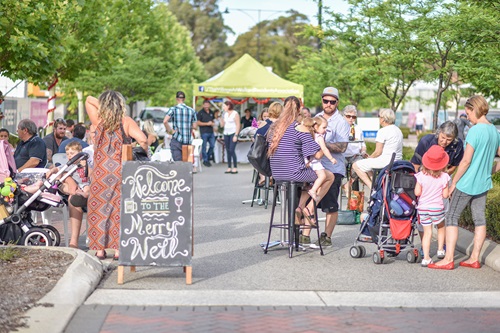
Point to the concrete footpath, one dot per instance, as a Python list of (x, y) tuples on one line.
[(236, 287)]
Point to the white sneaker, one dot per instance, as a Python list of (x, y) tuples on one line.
[(426, 262), (441, 254)]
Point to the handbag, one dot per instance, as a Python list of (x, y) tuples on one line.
[(257, 156)]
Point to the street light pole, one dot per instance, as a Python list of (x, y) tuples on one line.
[(245, 10)]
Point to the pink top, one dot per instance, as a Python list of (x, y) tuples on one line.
[(432, 190)]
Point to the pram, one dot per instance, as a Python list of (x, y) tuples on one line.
[(16, 223), (392, 215)]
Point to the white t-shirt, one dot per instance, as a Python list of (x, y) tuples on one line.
[(229, 123), (392, 138), (419, 118)]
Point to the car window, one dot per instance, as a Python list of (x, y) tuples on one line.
[(156, 115)]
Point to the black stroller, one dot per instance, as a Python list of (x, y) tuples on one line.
[(17, 226), (392, 215)]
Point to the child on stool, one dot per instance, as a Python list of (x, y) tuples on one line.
[(431, 188), (317, 126)]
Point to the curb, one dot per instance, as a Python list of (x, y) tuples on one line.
[(72, 289), (490, 253)]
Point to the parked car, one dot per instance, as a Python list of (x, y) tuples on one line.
[(493, 117), (157, 114)]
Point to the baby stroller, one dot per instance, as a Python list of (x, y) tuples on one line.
[(16, 224), (392, 215)]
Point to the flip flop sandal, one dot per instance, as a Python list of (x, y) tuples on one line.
[(78, 200), (310, 217)]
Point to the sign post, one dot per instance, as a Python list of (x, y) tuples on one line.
[(156, 216)]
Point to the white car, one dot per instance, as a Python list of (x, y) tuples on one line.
[(156, 114)]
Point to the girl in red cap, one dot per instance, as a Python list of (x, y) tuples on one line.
[(431, 188)]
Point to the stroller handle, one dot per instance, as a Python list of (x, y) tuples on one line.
[(389, 168), (78, 157)]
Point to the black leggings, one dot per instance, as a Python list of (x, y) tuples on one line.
[(230, 150)]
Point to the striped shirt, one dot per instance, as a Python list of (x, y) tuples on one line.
[(287, 163), (182, 118)]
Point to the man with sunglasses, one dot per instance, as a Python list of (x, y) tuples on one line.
[(336, 139), (54, 139), (356, 149)]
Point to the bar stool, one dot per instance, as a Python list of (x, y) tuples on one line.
[(266, 187), (290, 192)]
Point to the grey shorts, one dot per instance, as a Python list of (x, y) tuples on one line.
[(459, 201)]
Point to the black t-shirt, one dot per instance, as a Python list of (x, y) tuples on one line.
[(246, 122), (205, 117), (50, 142), (34, 147)]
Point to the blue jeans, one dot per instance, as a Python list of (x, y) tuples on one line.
[(210, 138), (230, 149)]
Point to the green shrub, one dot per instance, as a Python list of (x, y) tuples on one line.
[(407, 151), (424, 133), (492, 213), (405, 131)]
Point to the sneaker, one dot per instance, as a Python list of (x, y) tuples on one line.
[(325, 242), (304, 240), (425, 263), (441, 254), (207, 164)]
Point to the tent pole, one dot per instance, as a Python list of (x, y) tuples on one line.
[(194, 102)]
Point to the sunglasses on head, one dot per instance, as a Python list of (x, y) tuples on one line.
[(349, 116), (325, 101), (60, 121)]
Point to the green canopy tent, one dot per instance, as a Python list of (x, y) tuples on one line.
[(247, 78)]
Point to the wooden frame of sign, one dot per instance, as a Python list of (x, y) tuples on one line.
[(156, 216)]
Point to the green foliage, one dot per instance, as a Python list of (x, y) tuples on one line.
[(148, 53), (278, 43), (407, 151), (423, 134), (8, 253), (35, 36), (405, 131), (492, 213), (205, 24)]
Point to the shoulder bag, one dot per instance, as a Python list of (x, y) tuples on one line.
[(257, 156)]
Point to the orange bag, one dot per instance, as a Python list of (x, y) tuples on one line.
[(188, 153)]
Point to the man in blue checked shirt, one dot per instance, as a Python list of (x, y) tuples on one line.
[(184, 121)]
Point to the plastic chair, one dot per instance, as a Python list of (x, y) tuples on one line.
[(59, 159), (197, 153)]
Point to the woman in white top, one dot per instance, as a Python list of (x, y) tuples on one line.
[(231, 123), (389, 140)]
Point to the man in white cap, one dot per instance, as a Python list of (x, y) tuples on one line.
[(336, 139)]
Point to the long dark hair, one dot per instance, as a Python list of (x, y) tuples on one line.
[(290, 113)]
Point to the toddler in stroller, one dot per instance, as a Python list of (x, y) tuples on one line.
[(392, 214), (29, 193)]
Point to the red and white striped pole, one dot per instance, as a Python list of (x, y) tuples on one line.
[(51, 105)]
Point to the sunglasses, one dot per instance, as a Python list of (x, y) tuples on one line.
[(351, 117), (60, 121), (325, 101)]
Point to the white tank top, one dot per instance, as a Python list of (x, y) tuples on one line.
[(229, 123)]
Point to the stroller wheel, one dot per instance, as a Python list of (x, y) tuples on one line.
[(377, 258), (36, 237), (53, 234), (354, 252), (363, 251)]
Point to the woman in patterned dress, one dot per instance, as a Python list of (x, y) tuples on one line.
[(107, 114), (289, 145)]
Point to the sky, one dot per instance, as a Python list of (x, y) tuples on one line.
[(242, 20)]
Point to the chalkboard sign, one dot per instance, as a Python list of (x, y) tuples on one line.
[(156, 214)]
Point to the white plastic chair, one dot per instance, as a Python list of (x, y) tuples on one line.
[(59, 159), (162, 154), (197, 153)]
